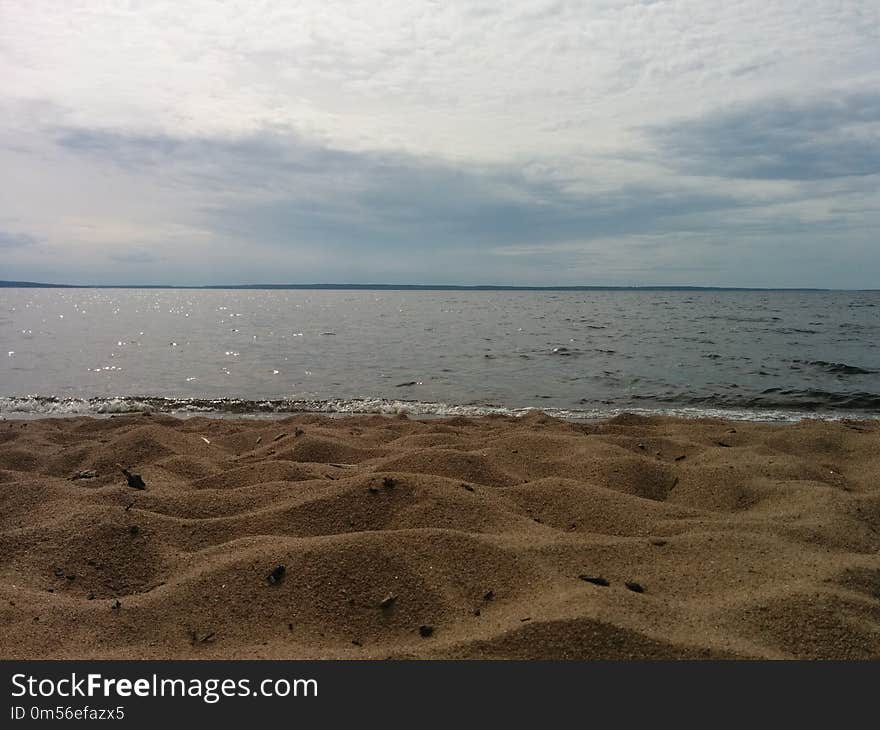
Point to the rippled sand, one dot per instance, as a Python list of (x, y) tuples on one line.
[(448, 538)]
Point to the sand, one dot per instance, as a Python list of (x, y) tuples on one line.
[(439, 539)]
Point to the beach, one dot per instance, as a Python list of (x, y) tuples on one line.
[(373, 537)]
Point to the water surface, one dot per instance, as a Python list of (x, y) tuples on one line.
[(742, 354)]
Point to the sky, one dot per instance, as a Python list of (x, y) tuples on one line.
[(529, 142)]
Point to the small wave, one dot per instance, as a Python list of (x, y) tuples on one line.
[(837, 368), (730, 318), (795, 331), (759, 409), (565, 352), (812, 401), (37, 405), (842, 368)]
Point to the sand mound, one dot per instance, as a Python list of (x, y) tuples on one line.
[(492, 538), (579, 639), (254, 473), (322, 450), (565, 504), (452, 464)]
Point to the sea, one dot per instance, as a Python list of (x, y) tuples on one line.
[(755, 355)]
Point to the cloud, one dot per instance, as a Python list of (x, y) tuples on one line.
[(486, 80), (780, 139), (15, 240), (134, 257), (520, 141), (276, 206), (286, 190)]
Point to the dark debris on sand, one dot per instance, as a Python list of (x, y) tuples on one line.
[(276, 575), (135, 481)]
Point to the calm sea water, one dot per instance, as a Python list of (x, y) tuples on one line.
[(761, 355)]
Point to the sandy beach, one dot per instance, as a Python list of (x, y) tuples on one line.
[(488, 538)]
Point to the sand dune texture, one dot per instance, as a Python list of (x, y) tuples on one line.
[(488, 538)]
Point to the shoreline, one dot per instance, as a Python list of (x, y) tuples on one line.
[(717, 539), (32, 407)]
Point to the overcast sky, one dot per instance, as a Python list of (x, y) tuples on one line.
[(731, 142)]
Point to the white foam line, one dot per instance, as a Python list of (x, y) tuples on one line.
[(40, 406)]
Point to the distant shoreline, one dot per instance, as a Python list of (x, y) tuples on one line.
[(411, 287)]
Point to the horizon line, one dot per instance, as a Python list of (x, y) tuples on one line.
[(425, 287)]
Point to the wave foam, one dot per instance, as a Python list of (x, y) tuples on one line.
[(43, 406)]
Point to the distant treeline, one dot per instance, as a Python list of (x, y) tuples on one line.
[(400, 287)]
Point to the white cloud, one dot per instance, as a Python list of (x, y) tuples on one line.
[(494, 80), (566, 94)]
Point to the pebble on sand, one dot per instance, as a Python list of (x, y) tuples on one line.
[(276, 575)]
